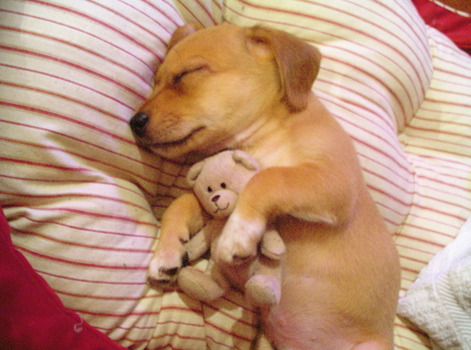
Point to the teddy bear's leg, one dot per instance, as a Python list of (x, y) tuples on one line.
[(264, 287), (262, 290), (272, 245), (205, 286)]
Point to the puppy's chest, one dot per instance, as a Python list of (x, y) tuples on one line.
[(274, 154)]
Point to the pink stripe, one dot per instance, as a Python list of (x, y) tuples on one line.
[(412, 50), (458, 147), (100, 22), (78, 263), (224, 331), (81, 30), (364, 95), (70, 278), (157, 324), (423, 115), (99, 92), (191, 13), (64, 168), (82, 156), (86, 142), (68, 119), (225, 313), (75, 66), (439, 131), (73, 181), (141, 313), (162, 12), (93, 248), (443, 79), (87, 229), (130, 20), (65, 97), (97, 215), (71, 195), (224, 345), (82, 48)]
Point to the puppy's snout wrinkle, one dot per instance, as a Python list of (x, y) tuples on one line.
[(139, 122)]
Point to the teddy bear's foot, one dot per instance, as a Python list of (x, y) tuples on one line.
[(199, 285), (272, 245), (263, 291)]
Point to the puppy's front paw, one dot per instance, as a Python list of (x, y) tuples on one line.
[(165, 265), (239, 240)]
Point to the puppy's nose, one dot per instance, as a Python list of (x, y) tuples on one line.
[(215, 198), (138, 123)]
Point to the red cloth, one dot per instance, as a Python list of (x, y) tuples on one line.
[(453, 25), (31, 315)]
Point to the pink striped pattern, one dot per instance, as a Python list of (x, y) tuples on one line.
[(80, 196)]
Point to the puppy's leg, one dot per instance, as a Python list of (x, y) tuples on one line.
[(183, 218), (309, 192)]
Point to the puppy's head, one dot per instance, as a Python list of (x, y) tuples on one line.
[(217, 84)]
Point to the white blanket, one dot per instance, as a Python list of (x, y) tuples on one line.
[(439, 301)]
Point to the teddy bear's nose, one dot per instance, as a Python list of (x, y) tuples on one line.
[(215, 198)]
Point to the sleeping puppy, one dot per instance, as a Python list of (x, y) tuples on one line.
[(229, 87)]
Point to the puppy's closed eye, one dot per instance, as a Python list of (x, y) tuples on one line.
[(177, 79)]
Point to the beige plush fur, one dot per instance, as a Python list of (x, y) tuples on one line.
[(229, 87)]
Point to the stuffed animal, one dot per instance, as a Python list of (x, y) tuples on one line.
[(216, 182)]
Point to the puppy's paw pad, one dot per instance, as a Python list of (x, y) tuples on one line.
[(164, 268)]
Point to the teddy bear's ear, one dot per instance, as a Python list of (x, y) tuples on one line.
[(194, 172), (245, 159)]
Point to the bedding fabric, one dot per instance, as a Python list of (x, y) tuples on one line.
[(83, 201), (439, 301)]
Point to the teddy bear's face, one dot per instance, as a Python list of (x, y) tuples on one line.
[(217, 195), (218, 180)]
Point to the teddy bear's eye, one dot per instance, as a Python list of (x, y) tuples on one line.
[(223, 185), (210, 189)]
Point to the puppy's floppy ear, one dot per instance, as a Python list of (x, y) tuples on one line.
[(298, 62), (181, 33)]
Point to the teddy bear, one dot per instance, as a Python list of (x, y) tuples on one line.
[(217, 182)]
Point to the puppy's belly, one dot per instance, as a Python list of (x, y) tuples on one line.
[(326, 301), (302, 321)]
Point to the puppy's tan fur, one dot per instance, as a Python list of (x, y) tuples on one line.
[(249, 88)]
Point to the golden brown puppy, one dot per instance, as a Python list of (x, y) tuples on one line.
[(250, 89)]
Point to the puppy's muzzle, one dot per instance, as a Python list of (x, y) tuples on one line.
[(138, 123)]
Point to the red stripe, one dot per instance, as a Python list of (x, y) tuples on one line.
[(64, 97), (71, 195), (86, 142), (100, 22), (100, 161), (68, 119), (99, 92), (97, 215), (64, 168), (72, 245), (104, 282), (412, 50), (75, 66), (164, 13), (81, 48), (73, 181), (82, 31), (79, 263), (87, 229)]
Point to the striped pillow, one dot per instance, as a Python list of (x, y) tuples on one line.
[(80, 195)]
